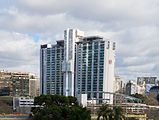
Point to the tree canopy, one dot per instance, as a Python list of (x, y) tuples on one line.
[(157, 97), (107, 113), (57, 107), (143, 98)]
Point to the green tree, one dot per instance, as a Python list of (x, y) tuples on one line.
[(118, 113), (105, 112), (79, 113), (157, 97), (141, 97), (57, 107)]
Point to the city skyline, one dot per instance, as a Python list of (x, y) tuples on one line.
[(25, 25)]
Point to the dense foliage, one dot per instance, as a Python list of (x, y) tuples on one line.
[(56, 107), (107, 113), (157, 97), (143, 98)]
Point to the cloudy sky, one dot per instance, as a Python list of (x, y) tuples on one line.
[(132, 24)]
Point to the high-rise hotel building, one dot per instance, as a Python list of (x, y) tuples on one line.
[(84, 65), (51, 77), (95, 58)]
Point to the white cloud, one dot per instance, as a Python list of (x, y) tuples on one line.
[(117, 13), (19, 52), (133, 24)]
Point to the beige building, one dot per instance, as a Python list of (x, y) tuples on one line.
[(33, 85), (38, 87), (132, 88), (18, 84), (141, 88), (118, 84), (6, 87)]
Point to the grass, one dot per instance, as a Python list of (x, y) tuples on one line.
[(6, 103)]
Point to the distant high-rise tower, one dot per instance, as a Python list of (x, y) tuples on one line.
[(71, 36), (95, 58), (118, 84), (51, 77)]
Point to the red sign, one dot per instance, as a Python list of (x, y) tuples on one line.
[(110, 61)]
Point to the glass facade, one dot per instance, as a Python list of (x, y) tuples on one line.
[(74, 66), (89, 68), (51, 69)]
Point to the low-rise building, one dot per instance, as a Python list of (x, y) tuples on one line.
[(23, 104)]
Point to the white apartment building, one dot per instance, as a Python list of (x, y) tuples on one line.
[(118, 84)]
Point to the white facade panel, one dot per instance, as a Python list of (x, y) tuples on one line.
[(109, 65), (71, 36)]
